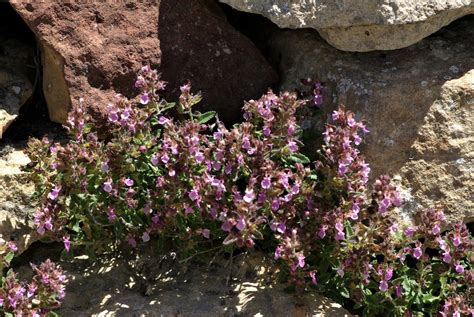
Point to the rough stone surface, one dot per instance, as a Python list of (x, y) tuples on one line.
[(362, 25), (418, 103), (91, 49), (198, 44), (153, 285), (16, 206)]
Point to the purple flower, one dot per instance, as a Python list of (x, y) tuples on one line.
[(447, 257), (132, 242), (340, 235), (292, 146), (111, 214), (281, 228), (458, 267), (266, 131), (163, 120), (249, 196), (456, 240), (266, 182), (53, 195), (113, 116), (199, 157), (409, 232), (342, 169), (154, 160), (67, 243), (318, 99), (383, 286), (278, 252), (205, 233), (322, 231), (104, 167), (275, 204), (388, 274), (193, 195), (246, 143), (145, 98), (300, 257), (241, 224), (128, 182), (398, 290), (417, 252), (384, 204), (227, 226), (165, 158), (146, 236), (340, 271), (436, 229)]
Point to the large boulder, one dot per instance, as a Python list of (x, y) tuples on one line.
[(91, 50), (418, 103), (362, 25), (198, 44)]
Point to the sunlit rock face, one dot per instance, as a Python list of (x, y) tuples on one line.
[(361, 25)]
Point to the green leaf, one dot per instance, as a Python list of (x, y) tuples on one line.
[(206, 116), (52, 314), (348, 227), (299, 158), (9, 257)]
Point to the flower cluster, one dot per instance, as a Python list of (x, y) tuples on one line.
[(195, 184), (37, 298)]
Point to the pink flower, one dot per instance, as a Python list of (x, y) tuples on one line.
[(227, 226), (458, 267)]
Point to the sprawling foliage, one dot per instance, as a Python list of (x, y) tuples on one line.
[(196, 186), (39, 297)]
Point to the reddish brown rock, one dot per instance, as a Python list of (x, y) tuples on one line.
[(198, 44), (91, 49)]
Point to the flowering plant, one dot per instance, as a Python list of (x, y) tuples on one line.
[(196, 186), (37, 298)]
